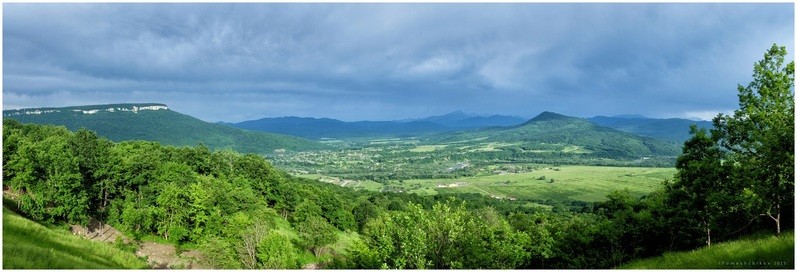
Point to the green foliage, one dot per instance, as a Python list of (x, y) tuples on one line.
[(49, 172), (760, 134), (315, 232), (490, 242), (447, 236), (180, 194), (305, 210), (397, 240), (364, 211), (219, 253), (702, 186), (277, 251)]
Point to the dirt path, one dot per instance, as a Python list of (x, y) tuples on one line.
[(99, 231), (158, 255), (165, 256)]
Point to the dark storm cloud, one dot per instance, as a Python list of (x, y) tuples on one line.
[(234, 62)]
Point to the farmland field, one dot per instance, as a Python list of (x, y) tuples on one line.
[(584, 183), (527, 174), (543, 183)]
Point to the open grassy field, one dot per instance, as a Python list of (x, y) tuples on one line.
[(29, 245), (582, 183), (579, 183), (427, 148), (353, 184), (763, 251)]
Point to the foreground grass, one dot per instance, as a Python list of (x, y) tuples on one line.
[(756, 252), (29, 245)]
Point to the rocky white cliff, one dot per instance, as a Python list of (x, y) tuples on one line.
[(87, 109)]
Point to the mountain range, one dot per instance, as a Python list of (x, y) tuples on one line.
[(624, 136), (318, 128), (156, 122), (672, 129), (550, 128), (459, 119)]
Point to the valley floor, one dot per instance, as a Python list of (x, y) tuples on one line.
[(543, 184)]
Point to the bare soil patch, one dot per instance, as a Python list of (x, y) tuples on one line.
[(165, 256), (99, 231)]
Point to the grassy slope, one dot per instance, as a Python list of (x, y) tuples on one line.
[(755, 252), (29, 245)]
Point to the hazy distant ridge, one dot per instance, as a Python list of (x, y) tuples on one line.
[(309, 127)]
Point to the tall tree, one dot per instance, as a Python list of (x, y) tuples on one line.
[(276, 251), (93, 157), (760, 133), (316, 232), (700, 186)]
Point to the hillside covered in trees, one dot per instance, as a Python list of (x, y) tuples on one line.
[(156, 122), (552, 128)]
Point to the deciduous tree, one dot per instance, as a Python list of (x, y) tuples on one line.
[(760, 134)]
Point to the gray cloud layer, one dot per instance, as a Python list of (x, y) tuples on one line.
[(234, 62)]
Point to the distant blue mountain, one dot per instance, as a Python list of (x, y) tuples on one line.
[(447, 118), (459, 119), (317, 128), (308, 127), (672, 129), (630, 116)]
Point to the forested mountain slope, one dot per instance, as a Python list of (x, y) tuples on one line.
[(156, 122), (672, 129), (555, 129)]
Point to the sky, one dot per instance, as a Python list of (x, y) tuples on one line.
[(236, 62)]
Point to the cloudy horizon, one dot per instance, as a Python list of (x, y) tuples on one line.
[(236, 62)]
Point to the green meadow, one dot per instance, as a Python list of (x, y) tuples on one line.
[(575, 183), (581, 183), (29, 245), (763, 251)]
